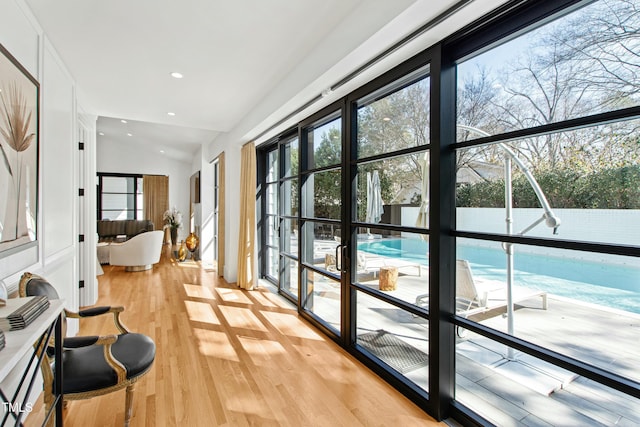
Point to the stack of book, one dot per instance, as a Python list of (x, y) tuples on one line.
[(1, 339), (21, 317)]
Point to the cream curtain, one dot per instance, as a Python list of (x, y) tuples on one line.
[(155, 193), (247, 234)]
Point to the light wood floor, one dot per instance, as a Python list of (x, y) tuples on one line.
[(228, 357)]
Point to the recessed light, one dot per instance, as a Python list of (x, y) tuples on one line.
[(101, 133), (162, 151), (123, 121), (176, 75), (129, 134), (386, 119), (171, 113)]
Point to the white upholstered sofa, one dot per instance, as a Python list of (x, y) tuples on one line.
[(138, 253)]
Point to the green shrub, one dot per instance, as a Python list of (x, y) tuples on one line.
[(608, 189)]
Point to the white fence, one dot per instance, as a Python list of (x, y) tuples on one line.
[(610, 226)]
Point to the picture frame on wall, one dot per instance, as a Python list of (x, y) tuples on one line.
[(19, 148)]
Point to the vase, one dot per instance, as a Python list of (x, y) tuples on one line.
[(192, 242), (182, 252), (174, 235)]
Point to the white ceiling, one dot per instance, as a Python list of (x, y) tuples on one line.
[(233, 54)]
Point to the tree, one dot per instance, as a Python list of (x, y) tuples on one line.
[(326, 184), (581, 64), (398, 121)]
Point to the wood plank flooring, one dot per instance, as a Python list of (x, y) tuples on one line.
[(227, 357)]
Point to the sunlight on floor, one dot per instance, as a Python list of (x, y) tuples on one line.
[(262, 351), (263, 299), (198, 291), (289, 324), (242, 318), (201, 312), (215, 344), (233, 295)]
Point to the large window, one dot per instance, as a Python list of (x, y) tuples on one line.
[(469, 220), (119, 196), (548, 171)]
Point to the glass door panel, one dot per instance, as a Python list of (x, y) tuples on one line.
[(322, 297), (271, 239), (321, 211), (288, 217), (388, 227)]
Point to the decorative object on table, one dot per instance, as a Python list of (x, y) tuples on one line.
[(4, 294), (2, 342), (22, 311), (19, 155), (192, 242), (173, 220), (182, 252)]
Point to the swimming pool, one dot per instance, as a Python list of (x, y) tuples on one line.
[(615, 286)]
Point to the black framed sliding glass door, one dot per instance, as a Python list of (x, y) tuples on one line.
[(288, 217), (389, 167), (322, 258), (421, 218)]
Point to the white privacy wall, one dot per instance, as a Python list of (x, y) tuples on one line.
[(55, 256), (611, 226), (115, 157)]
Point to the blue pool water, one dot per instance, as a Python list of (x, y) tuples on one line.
[(615, 286)]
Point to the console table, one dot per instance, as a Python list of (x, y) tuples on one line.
[(20, 343)]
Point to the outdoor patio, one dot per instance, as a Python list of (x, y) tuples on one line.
[(517, 391)]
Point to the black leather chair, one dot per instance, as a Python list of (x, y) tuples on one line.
[(93, 365)]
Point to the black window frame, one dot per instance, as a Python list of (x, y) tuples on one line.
[(503, 24), (135, 177)]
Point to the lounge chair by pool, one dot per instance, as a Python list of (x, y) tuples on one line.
[(474, 297)]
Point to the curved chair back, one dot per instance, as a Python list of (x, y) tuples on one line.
[(33, 285), (143, 249)]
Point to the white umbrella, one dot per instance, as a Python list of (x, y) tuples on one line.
[(374, 198), (423, 214)]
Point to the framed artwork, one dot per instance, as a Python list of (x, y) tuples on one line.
[(19, 95)]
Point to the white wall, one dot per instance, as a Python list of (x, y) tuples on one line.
[(57, 231), (55, 256), (115, 157), (232, 203), (205, 208)]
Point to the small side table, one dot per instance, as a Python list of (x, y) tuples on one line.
[(19, 343), (388, 280)]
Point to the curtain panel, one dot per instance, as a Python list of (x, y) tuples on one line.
[(155, 193), (247, 234)]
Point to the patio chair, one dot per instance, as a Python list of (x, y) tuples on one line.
[(474, 297)]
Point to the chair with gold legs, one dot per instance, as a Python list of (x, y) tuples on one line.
[(93, 365)]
